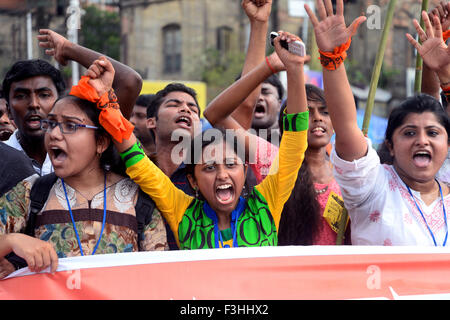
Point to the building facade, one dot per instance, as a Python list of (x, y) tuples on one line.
[(169, 39)]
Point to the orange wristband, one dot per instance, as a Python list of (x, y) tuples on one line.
[(446, 90), (332, 60), (270, 66), (110, 117), (446, 35)]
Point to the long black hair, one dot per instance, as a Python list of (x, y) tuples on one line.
[(300, 218)]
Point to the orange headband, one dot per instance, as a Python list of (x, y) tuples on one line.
[(110, 117)]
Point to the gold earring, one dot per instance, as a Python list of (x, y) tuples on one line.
[(196, 192)]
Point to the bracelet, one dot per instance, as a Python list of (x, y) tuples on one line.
[(270, 67), (296, 121), (446, 91), (446, 35), (133, 155), (331, 63), (108, 100), (332, 60)]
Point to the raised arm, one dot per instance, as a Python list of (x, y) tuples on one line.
[(258, 14), (235, 94), (277, 186), (229, 99), (332, 34), (127, 82), (296, 102), (171, 201), (430, 81), (433, 50)]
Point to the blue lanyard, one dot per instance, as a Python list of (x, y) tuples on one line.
[(73, 221), (423, 217), (221, 238), (234, 220)]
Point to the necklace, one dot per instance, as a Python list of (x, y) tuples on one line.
[(423, 217), (73, 220), (320, 191)]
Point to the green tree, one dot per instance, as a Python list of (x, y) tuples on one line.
[(100, 31), (360, 76), (356, 74), (219, 70)]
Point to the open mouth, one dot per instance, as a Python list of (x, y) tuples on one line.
[(184, 121), (34, 121), (422, 159), (6, 130), (5, 133), (318, 131), (57, 155), (225, 193), (260, 111)]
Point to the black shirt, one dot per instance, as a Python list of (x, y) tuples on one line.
[(14, 167)]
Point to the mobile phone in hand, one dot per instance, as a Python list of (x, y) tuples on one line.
[(295, 47)]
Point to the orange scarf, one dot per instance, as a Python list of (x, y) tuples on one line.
[(110, 117), (332, 60), (446, 35)]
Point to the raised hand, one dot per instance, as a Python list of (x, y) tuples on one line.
[(54, 44), (433, 50), (442, 11), (289, 60), (257, 10), (331, 30), (101, 73)]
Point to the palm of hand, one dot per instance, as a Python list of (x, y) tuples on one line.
[(331, 33), (435, 54)]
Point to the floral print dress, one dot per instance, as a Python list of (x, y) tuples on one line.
[(53, 223)]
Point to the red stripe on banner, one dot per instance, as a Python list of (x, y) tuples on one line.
[(294, 277)]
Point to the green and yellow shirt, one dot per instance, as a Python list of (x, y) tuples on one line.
[(256, 219)]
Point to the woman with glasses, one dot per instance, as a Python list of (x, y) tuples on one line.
[(91, 206)]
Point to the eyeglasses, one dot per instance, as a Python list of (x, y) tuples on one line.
[(65, 127)]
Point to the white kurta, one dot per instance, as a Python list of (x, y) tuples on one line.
[(382, 212), (444, 173)]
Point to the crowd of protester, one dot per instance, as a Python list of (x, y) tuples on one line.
[(95, 169)]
